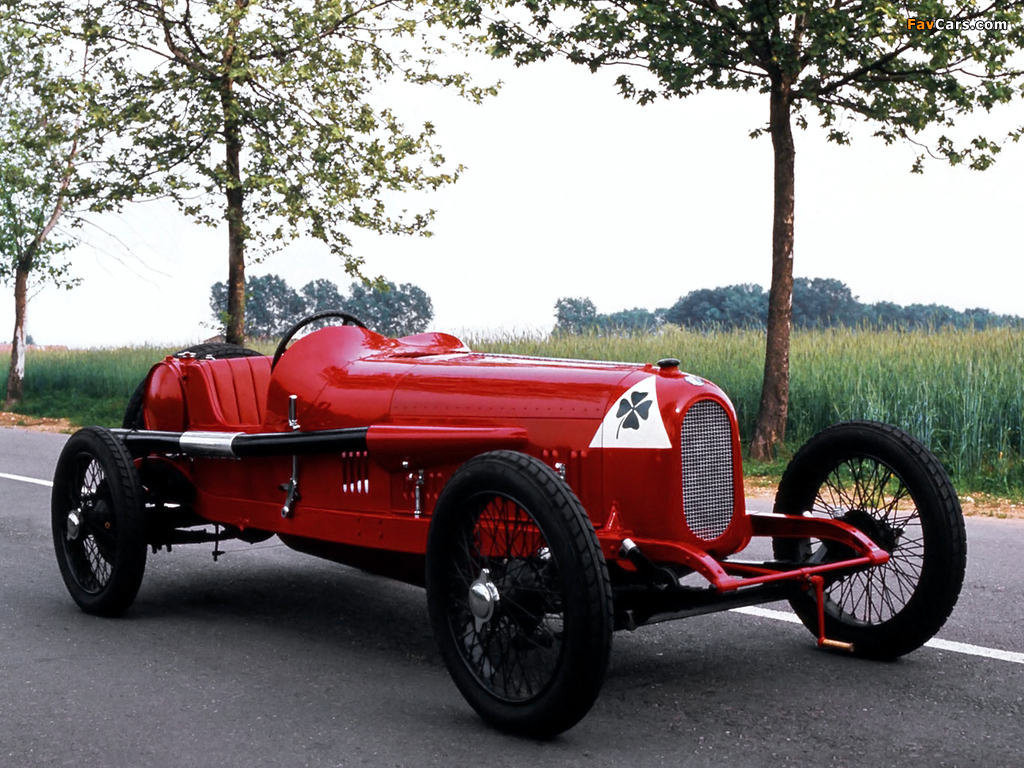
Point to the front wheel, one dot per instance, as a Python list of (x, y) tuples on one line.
[(889, 486), (518, 594), (99, 531)]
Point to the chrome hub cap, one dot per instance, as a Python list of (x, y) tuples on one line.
[(483, 598), (74, 525)]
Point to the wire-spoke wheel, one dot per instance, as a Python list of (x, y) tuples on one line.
[(519, 595), (99, 533), (889, 486)]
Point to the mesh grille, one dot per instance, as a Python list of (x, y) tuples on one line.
[(707, 469)]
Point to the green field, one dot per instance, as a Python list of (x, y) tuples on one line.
[(958, 391)]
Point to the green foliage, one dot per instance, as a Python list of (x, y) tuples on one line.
[(321, 294), (823, 302), (581, 316), (838, 63), (817, 303), (389, 309), (734, 306), (268, 114), (635, 320), (51, 162), (41, 146), (273, 305), (575, 315)]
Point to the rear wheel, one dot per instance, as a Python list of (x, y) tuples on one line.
[(518, 594), (99, 532), (133, 415), (889, 486)]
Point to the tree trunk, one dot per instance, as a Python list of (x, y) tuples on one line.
[(235, 326), (771, 416), (16, 376)]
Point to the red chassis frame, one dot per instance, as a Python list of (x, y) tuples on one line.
[(344, 448)]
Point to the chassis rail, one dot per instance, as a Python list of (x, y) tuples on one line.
[(654, 595)]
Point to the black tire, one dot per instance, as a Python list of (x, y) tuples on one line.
[(531, 660), (133, 414), (891, 487), (99, 531)]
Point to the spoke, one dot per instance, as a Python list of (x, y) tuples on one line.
[(881, 487), (515, 651), (905, 580), (892, 507), (891, 604), (871, 488), (901, 583), (89, 494)]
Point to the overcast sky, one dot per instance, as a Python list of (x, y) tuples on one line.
[(572, 191)]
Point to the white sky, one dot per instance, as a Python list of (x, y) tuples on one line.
[(572, 191)]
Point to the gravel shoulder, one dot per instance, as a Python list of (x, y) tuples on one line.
[(974, 505), (35, 423)]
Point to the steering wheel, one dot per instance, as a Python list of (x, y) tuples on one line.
[(346, 318)]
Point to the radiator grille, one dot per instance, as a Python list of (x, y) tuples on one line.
[(707, 469)]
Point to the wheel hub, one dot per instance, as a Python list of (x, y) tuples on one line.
[(483, 598), (74, 526), (879, 531)]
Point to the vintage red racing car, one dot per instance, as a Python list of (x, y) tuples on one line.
[(543, 503)]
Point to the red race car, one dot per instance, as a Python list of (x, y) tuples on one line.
[(543, 503)]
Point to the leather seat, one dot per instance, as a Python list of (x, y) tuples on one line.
[(228, 394)]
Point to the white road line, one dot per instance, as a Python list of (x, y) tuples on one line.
[(768, 613), (21, 479), (976, 650), (941, 645)]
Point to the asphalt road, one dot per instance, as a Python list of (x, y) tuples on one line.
[(271, 658)]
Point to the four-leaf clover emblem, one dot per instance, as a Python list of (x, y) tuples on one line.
[(631, 411)]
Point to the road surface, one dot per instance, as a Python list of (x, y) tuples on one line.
[(271, 658)]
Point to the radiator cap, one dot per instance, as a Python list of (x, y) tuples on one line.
[(668, 362)]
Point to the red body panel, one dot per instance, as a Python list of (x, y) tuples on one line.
[(614, 429)]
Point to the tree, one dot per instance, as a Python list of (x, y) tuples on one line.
[(273, 305), (575, 315), (389, 309), (884, 314), (50, 129), (581, 316), (265, 115), (636, 320), (842, 61), (823, 302), (734, 306), (818, 302), (932, 316), (321, 294)]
